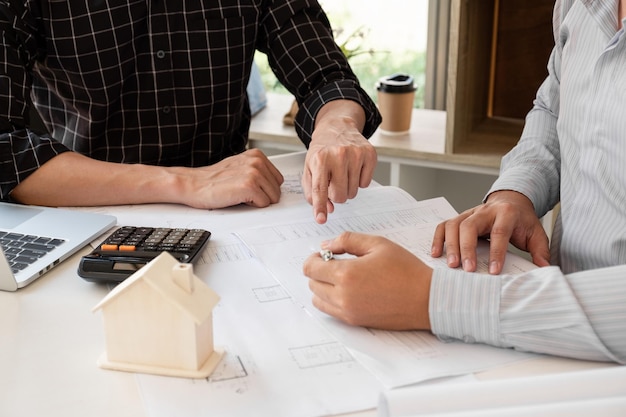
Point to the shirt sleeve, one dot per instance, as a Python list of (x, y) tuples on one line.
[(298, 40), (22, 151), (580, 315)]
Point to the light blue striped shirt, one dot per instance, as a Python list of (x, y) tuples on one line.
[(572, 150)]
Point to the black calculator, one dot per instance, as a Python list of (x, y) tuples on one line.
[(129, 248)]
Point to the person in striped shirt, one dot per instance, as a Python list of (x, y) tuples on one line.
[(572, 151)]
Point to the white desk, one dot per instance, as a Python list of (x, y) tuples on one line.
[(50, 341)]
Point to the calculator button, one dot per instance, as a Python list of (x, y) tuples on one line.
[(147, 242)]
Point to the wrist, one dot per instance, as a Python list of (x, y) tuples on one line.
[(342, 115), (169, 185)]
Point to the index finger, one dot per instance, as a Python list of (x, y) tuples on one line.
[(320, 181), (439, 238), (317, 269)]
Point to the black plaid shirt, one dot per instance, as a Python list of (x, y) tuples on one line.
[(155, 81)]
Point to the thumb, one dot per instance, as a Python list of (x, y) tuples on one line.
[(353, 243)]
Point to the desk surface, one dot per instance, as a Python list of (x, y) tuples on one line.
[(50, 341)]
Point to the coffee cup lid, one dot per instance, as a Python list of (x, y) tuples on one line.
[(396, 83)]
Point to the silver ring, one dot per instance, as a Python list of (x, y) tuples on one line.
[(326, 255)]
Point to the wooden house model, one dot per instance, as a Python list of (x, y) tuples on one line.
[(159, 321)]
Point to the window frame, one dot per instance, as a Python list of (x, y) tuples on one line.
[(435, 87)]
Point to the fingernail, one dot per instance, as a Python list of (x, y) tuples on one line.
[(467, 265), (494, 267), (452, 260), (320, 218)]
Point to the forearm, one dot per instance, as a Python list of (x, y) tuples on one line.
[(532, 167), (71, 179)]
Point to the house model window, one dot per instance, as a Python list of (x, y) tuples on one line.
[(159, 321)]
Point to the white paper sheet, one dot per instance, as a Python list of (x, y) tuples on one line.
[(598, 392), (279, 361), (397, 358)]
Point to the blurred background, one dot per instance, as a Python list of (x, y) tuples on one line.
[(379, 37)]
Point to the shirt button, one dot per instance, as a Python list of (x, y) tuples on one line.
[(167, 109), (160, 54)]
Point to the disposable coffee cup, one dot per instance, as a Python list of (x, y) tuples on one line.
[(395, 102)]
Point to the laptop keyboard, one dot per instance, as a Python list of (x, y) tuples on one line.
[(22, 250)]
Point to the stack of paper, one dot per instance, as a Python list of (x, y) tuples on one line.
[(598, 392)]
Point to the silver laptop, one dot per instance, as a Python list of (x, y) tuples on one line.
[(34, 239)]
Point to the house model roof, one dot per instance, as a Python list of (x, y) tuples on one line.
[(176, 283)]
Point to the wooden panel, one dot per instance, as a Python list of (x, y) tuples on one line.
[(521, 48), (471, 25), (498, 56)]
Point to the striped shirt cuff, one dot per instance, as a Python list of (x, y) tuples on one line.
[(465, 306)]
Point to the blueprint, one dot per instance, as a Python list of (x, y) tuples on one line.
[(396, 358)]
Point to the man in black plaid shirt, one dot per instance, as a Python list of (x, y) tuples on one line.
[(145, 101)]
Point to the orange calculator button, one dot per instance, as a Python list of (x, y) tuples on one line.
[(108, 247), (128, 248)]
